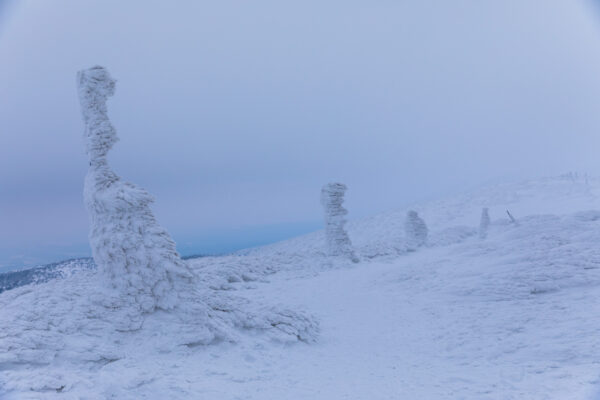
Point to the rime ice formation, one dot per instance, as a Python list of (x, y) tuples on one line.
[(138, 257), (338, 242), (484, 224), (415, 229), (136, 254)]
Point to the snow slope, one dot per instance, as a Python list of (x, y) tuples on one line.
[(44, 273), (513, 316)]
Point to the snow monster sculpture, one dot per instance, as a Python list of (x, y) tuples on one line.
[(129, 247), (416, 231), (484, 223), (338, 242), (138, 258)]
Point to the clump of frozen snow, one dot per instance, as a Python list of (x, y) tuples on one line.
[(338, 242), (415, 229), (95, 86), (136, 255), (484, 223)]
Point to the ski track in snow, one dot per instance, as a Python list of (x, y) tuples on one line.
[(514, 316)]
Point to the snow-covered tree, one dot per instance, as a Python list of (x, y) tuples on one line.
[(484, 224), (338, 242), (136, 254), (415, 229)]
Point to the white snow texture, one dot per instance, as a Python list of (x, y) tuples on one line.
[(338, 242)]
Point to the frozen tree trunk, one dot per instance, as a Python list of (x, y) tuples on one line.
[(484, 223), (136, 255), (416, 230), (338, 242)]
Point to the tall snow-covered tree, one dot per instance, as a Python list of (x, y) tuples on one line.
[(338, 241), (484, 223), (129, 246), (415, 229)]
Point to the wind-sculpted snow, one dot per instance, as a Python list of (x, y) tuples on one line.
[(338, 242), (484, 223), (138, 258), (83, 326), (135, 254), (415, 229), (546, 253)]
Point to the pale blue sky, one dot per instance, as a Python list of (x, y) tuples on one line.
[(233, 114)]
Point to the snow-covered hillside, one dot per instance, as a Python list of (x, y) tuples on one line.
[(511, 316)]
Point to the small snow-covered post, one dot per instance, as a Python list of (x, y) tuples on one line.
[(484, 223), (512, 219), (135, 254), (416, 230), (338, 242)]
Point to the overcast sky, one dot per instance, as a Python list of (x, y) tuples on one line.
[(234, 113)]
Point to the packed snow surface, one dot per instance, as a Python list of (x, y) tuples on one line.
[(515, 315)]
